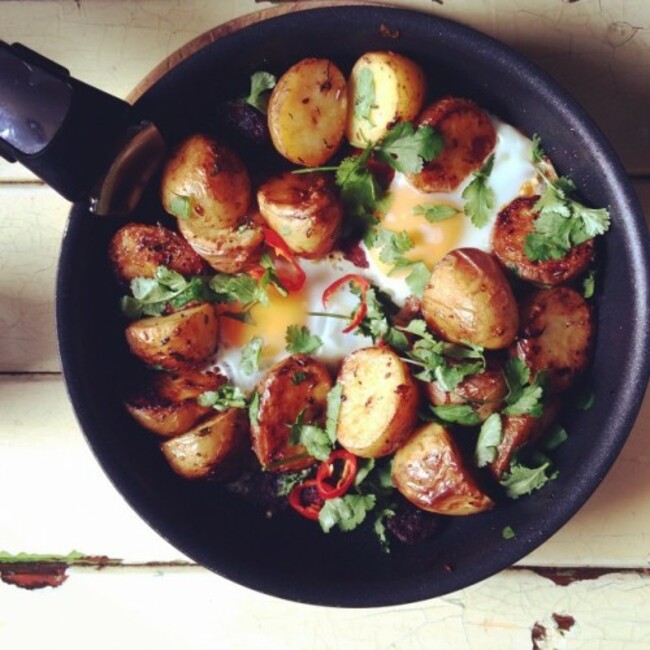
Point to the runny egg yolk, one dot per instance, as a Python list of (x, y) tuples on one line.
[(268, 322), (431, 241)]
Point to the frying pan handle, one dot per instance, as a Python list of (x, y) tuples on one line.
[(66, 132)]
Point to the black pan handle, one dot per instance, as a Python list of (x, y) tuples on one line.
[(65, 131)]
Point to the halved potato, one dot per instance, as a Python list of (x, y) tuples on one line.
[(304, 210), (469, 300), (379, 402), (137, 250), (556, 335), (430, 472), (307, 112), (177, 341), (205, 181), (227, 250), (468, 137), (216, 448), (383, 88), (295, 387), (513, 225)]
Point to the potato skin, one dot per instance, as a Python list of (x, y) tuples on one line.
[(429, 471), (307, 112), (556, 335), (214, 179), (468, 137), (214, 449), (137, 250), (304, 210), (400, 87), (513, 224), (281, 400), (485, 391), (379, 402), (177, 341), (469, 300)]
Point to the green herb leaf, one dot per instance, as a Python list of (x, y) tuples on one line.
[(253, 411), (225, 397), (589, 284), (239, 287), (181, 206), (508, 533), (489, 439), (522, 480), (270, 276), (557, 435), (379, 527), (377, 325), (299, 377), (365, 95), (261, 82), (288, 480), (333, 408), (479, 197), (250, 356), (538, 154), (315, 440), (523, 398), (457, 413), (300, 340), (434, 213), (406, 149), (346, 512)]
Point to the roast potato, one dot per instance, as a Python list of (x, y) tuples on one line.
[(295, 387), (429, 471), (468, 300), (556, 335), (226, 250), (468, 137), (379, 402), (137, 250), (177, 341), (513, 224), (205, 181), (215, 449), (383, 88), (307, 112), (484, 391), (304, 209)]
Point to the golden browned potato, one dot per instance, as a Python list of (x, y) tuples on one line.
[(307, 112), (296, 386), (468, 300), (556, 335), (430, 472), (379, 402), (137, 250), (168, 405), (204, 181), (484, 391), (177, 341), (468, 137), (383, 88), (214, 449), (304, 209), (513, 224), (227, 250)]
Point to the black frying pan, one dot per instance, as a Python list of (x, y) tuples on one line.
[(287, 556)]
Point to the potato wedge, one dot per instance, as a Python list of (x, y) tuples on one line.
[(513, 225), (214, 449), (227, 250), (429, 471), (137, 250), (379, 402), (468, 300), (304, 210), (307, 112), (383, 88), (484, 391), (205, 181), (177, 341), (556, 335), (295, 387), (468, 137)]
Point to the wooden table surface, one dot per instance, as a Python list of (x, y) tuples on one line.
[(123, 586)]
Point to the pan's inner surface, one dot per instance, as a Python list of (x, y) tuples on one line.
[(286, 556)]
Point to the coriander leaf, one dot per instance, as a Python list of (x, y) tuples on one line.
[(260, 83), (595, 221), (406, 149), (315, 440), (585, 400), (418, 278), (479, 197), (365, 94), (517, 375), (376, 323), (554, 437), (239, 287), (457, 413), (250, 356), (449, 376), (508, 533), (225, 397), (360, 190), (346, 512), (419, 327), (181, 206), (364, 468), (489, 439), (393, 244), (434, 213), (333, 408), (529, 402), (300, 340), (288, 480), (270, 276), (254, 410), (522, 480), (538, 154), (589, 284), (379, 527)]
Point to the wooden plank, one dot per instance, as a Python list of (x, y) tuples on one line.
[(45, 459), (597, 52), (166, 609)]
